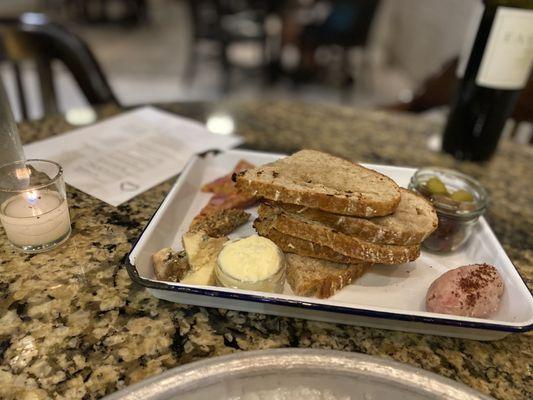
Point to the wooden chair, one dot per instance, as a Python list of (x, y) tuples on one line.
[(135, 12), (227, 22), (358, 17), (33, 38)]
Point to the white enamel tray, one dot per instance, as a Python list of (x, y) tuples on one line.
[(388, 297)]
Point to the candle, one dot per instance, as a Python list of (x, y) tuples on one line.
[(33, 205), (35, 218)]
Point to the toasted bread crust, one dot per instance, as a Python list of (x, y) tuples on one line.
[(292, 244), (412, 222), (348, 245), (318, 278), (220, 222), (284, 181)]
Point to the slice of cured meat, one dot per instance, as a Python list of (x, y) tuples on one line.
[(224, 202), (224, 184)]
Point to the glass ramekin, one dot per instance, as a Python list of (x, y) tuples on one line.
[(273, 283), (455, 224)]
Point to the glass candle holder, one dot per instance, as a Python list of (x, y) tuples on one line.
[(33, 205)]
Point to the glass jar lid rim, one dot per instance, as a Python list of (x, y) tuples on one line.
[(53, 179), (481, 194)]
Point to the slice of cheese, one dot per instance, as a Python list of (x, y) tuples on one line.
[(202, 276), (202, 252), (191, 244)]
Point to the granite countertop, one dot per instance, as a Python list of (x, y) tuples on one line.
[(73, 325)]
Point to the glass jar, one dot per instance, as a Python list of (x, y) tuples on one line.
[(273, 283), (456, 219)]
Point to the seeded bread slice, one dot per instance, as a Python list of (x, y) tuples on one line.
[(350, 246), (413, 221), (319, 180), (319, 278), (220, 222), (292, 244)]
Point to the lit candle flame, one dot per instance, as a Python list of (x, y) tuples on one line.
[(32, 197)]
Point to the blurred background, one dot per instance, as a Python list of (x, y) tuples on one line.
[(389, 54)]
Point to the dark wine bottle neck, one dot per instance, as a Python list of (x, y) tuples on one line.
[(480, 42)]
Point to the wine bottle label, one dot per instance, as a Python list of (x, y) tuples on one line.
[(508, 55)]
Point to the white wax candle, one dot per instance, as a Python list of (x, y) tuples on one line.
[(35, 218)]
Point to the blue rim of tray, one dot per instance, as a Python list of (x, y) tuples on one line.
[(256, 298)]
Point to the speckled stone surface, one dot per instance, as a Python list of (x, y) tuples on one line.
[(72, 324)]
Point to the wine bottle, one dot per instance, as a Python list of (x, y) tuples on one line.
[(492, 70)]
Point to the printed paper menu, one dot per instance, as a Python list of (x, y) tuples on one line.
[(121, 157)]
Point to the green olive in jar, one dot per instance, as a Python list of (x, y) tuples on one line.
[(435, 186), (463, 196)]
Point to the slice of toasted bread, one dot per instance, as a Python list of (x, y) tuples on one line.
[(292, 244), (319, 180), (413, 221), (350, 246), (319, 278), (220, 222)]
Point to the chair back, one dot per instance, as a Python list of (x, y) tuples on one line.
[(33, 38), (360, 15)]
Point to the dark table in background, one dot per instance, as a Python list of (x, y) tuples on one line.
[(72, 324)]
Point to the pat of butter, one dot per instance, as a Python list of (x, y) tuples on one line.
[(251, 259)]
